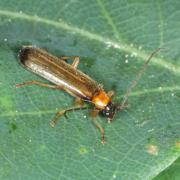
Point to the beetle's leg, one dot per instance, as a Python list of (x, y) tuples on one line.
[(95, 113), (98, 125), (110, 93), (57, 117), (39, 84), (75, 59), (79, 101), (63, 112)]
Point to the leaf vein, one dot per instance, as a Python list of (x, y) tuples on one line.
[(122, 46)]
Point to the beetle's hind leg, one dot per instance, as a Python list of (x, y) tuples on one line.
[(75, 59)]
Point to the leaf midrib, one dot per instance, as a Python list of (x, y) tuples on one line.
[(120, 46)]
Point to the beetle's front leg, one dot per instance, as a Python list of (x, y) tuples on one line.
[(98, 125), (101, 129), (110, 94)]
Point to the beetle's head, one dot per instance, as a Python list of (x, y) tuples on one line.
[(109, 111)]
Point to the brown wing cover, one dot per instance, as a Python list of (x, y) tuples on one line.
[(59, 72)]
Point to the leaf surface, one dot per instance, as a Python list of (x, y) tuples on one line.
[(113, 39)]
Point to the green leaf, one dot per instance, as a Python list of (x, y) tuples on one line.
[(172, 172), (113, 39)]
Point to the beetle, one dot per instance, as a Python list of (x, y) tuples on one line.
[(67, 77)]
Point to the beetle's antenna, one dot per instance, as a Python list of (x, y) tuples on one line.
[(138, 76)]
